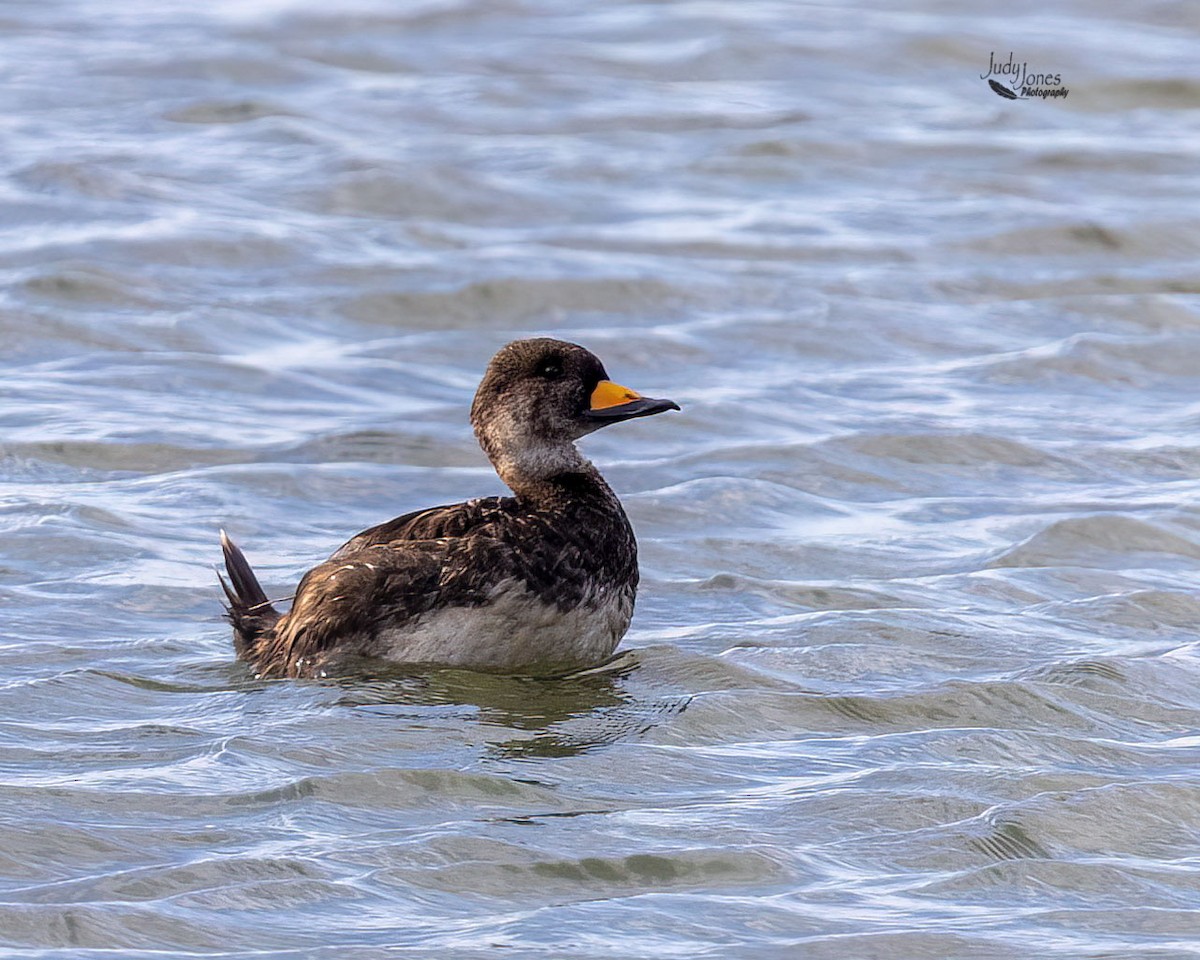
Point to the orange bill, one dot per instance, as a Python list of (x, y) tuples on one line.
[(608, 394)]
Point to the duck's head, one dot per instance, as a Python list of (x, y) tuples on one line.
[(538, 397)]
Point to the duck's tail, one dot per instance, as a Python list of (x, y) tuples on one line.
[(249, 610)]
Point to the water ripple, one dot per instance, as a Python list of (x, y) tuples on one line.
[(913, 671)]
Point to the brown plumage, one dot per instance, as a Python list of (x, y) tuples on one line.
[(536, 583)]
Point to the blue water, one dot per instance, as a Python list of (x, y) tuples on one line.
[(914, 669)]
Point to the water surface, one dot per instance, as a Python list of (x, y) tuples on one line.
[(913, 672)]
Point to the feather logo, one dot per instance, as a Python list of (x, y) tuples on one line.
[(1002, 90)]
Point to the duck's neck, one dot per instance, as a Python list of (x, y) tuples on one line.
[(535, 471)]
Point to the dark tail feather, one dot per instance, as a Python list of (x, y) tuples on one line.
[(249, 610)]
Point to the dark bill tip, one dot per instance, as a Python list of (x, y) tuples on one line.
[(641, 407)]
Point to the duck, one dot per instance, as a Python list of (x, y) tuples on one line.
[(539, 583)]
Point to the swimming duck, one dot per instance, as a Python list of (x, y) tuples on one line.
[(538, 583)]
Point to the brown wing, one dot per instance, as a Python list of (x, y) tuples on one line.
[(343, 602), (346, 601)]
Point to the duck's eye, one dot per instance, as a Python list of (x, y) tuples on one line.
[(549, 370)]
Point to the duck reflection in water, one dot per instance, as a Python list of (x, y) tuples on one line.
[(554, 717)]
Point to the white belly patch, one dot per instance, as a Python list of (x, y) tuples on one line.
[(514, 632)]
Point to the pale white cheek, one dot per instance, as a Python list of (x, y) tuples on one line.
[(515, 631)]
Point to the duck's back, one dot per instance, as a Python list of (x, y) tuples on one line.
[(498, 584)]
